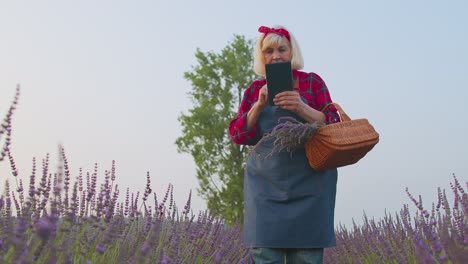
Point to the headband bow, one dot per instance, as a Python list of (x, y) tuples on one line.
[(279, 31)]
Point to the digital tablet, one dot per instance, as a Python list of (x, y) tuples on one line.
[(279, 79)]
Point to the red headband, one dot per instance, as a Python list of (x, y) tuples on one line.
[(279, 31)]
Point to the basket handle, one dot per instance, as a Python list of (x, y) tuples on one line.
[(296, 84), (344, 116)]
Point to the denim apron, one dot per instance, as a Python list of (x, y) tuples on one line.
[(287, 203)]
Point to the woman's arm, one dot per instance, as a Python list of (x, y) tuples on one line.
[(291, 100), (309, 114), (243, 128), (323, 98), (254, 112)]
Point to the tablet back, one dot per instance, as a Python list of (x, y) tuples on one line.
[(279, 79)]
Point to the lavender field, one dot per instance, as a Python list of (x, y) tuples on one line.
[(61, 216)]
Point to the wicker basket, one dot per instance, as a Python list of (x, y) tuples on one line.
[(340, 144)]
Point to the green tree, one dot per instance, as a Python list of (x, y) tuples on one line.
[(218, 81)]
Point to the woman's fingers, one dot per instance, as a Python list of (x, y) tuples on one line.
[(288, 100), (263, 96), (287, 96)]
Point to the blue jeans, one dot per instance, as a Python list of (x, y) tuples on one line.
[(287, 255)]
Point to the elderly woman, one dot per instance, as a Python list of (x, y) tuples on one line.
[(289, 207)]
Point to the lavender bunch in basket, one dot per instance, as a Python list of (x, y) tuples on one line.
[(290, 134)]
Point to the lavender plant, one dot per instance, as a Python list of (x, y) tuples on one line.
[(96, 228), (66, 219), (289, 134), (437, 235), (5, 127), (62, 221)]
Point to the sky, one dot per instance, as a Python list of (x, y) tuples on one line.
[(105, 80)]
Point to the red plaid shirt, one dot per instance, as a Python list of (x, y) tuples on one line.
[(311, 87)]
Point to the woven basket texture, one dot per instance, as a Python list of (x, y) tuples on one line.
[(340, 144)]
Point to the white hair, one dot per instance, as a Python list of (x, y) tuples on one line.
[(272, 39)]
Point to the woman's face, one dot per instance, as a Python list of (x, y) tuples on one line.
[(277, 53)]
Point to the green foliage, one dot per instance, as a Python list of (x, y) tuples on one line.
[(218, 81)]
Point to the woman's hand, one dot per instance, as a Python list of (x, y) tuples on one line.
[(289, 100), (263, 97), (254, 112)]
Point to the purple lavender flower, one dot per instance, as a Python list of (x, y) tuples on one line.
[(289, 134), (218, 257), (100, 248), (14, 170), (32, 178), (165, 260), (148, 187), (187, 206), (113, 171), (43, 228)]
